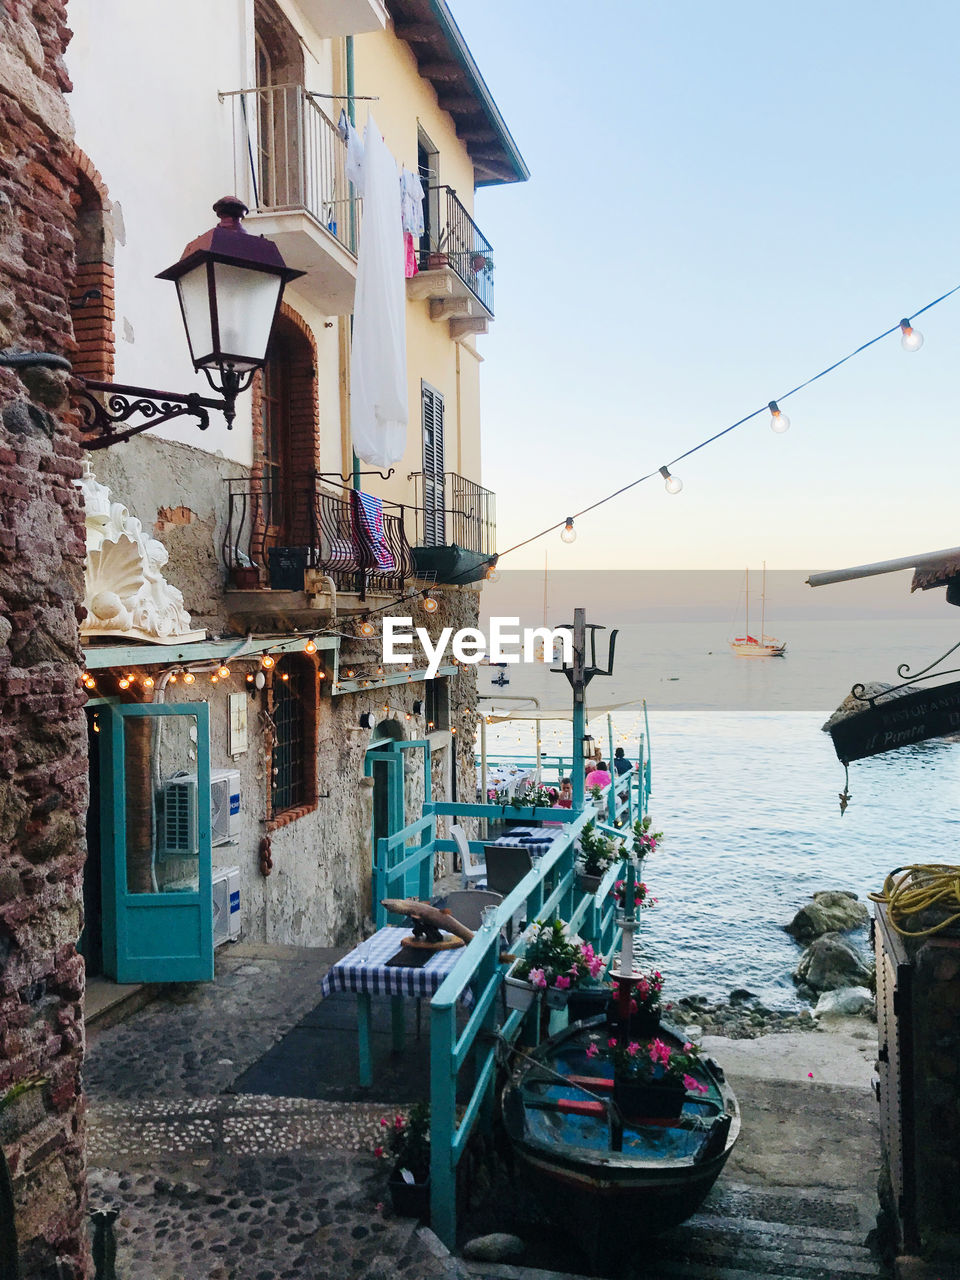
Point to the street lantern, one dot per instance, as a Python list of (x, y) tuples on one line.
[(230, 285), (588, 747)]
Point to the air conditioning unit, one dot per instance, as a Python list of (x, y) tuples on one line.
[(224, 805), (177, 812), (226, 904), (177, 817)]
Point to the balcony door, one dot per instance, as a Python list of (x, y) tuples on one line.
[(279, 71), (288, 433), (431, 411)]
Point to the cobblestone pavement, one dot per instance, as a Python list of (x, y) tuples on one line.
[(207, 1183)]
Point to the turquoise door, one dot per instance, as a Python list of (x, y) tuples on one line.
[(155, 820)]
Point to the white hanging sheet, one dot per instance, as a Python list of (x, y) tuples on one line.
[(378, 364)]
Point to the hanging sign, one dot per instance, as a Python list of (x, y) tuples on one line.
[(898, 722)]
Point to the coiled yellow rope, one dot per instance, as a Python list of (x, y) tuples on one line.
[(919, 888)]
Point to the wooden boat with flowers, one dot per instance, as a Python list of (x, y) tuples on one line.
[(614, 1179)]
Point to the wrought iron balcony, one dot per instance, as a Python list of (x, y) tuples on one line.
[(278, 536), (456, 266), (453, 526), (290, 163)]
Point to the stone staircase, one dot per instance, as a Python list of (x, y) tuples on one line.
[(745, 1233)]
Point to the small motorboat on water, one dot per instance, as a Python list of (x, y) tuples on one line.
[(613, 1180)]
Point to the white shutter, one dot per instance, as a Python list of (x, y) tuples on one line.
[(433, 494)]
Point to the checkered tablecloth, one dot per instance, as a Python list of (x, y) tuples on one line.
[(373, 976), (536, 838)]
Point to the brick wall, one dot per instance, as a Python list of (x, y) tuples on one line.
[(43, 773)]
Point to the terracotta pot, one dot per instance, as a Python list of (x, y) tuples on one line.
[(639, 1099), (245, 577), (437, 260)]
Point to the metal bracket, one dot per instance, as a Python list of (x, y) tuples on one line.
[(99, 418), (903, 671)]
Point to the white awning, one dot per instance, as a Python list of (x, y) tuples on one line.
[(557, 713)]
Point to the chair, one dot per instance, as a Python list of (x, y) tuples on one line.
[(506, 866), (466, 905), (472, 866)]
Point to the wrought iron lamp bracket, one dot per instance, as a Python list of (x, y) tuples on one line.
[(101, 419), (928, 672)]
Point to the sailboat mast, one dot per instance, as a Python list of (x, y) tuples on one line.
[(763, 600), (746, 612)]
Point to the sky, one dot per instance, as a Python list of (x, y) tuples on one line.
[(724, 200)]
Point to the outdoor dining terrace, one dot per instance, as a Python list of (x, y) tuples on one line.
[(469, 1020)]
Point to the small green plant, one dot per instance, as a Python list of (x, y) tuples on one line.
[(406, 1139), (555, 959), (644, 840), (597, 851)]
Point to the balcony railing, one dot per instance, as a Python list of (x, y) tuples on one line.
[(294, 157), (463, 514), (459, 238), (272, 526)]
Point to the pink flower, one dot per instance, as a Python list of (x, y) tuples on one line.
[(633, 1048), (592, 1051), (693, 1086), (378, 1152), (659, 1052), (595, 966), (561, 983), (537, 978), (398, 1121), (688, 1047), (612, 1042), (384, 1122), (809, 1075)]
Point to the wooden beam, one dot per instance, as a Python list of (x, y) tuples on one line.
[(473, 134), (417, 32), (445, 72), (454, 102)]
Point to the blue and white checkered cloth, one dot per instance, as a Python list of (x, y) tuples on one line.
[(373, 976), (529, 837)]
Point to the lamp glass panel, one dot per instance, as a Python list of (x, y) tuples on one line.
[(246, 305), (195, 302)]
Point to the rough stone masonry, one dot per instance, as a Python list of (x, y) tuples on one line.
[(43, 752)]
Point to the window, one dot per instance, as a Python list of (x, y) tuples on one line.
[(279, 67), (288, 433), (293, 755), (428, 160), (431, 413), (437, 703)]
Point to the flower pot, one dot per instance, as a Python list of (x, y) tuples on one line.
[(437, 260), (587, 1002), (588, 883), (639, 1098), (409, 1199), (554, 999), (477, 263), (245, 577), (519, 993)]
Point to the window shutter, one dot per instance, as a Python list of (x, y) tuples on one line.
[(433, 495)]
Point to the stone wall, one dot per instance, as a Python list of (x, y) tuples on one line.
[(43, 752)]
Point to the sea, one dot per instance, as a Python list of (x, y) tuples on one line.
[(746, 785)]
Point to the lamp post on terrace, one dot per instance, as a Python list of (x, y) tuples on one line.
[(230, 285), (579, 673)]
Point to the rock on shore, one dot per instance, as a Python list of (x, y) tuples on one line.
[(831, 911), (830, 962)]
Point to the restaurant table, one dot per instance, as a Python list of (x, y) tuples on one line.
[(365, 971), (509, 778)]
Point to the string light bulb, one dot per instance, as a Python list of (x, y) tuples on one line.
[(568, 533), (214, 679), (284, 675), (189, 677), (367, 629), (267, 661), (172, 678), (430, 603), (88, 680), (779, 422), (310, 647), (124, 683), (350, 673), (249, 678), (910, 339), (223, 673), (672, 484)]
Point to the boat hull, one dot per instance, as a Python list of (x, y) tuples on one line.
[(744, 649), (614, 1200)]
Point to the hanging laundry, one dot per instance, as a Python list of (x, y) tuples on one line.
[(411, 201), (370, 532), (378, 363), (355, 150), (343, 124), (410, 264)]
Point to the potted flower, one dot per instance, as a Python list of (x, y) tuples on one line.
[(645, 1007), (438, 257), (651, 1079), (644, 840), (598, 852), (406, 1140), (641, 897), (535, 796), (480, 262), (553, 963)]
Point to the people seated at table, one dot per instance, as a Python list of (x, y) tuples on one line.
[(565, 800), (598, 777), (620, 762)]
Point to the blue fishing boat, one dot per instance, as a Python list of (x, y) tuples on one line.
[(610, 1179)]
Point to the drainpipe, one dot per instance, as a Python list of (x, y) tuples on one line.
[(352, 116)]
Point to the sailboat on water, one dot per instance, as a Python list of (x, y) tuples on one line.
[(748, 646)]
